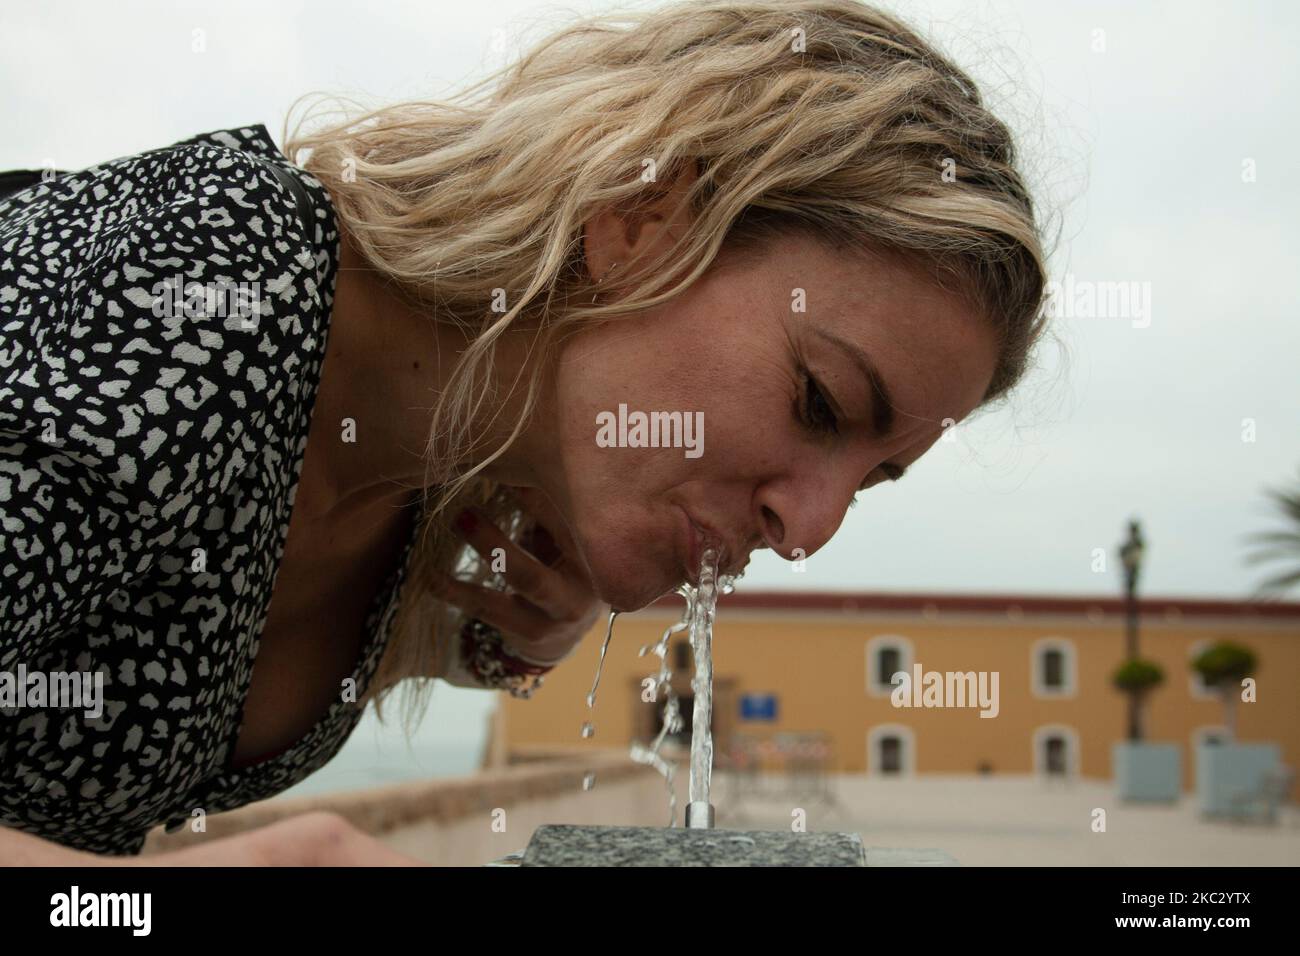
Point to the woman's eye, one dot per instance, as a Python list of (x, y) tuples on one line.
[(817, 411)]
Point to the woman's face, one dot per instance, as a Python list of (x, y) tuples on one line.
[(771, 354)]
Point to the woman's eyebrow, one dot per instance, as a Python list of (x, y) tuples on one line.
[(882, 405)]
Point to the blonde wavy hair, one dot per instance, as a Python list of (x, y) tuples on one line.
[(828, 117)]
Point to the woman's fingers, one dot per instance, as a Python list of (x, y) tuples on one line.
[(535, 502), (551, 591), (550, 604), (535, 634)]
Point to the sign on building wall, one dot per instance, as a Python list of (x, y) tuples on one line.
[(758, 707)]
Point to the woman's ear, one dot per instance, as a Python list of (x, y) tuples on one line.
[(643, 228)]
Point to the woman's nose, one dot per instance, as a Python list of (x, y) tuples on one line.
[(800, 521), (773, 528)]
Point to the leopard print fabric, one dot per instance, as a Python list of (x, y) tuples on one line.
[(148, 465)]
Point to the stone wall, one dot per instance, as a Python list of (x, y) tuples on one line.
[(472, 820)]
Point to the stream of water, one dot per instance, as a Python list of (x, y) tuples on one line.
[(701, 604)]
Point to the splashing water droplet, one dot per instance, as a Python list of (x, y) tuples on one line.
[(588, 781), (589, 726)]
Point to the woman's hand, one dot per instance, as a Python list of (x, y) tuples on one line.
[(318, 838), (550, 604)]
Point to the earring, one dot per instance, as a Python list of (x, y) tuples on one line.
[(602, 279)]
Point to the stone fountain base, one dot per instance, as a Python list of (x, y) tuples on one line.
[(563, 845)]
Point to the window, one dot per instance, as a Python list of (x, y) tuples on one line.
[(891, 755), (891, 751), (1055, 756), (1056, 752), (889, 661), (1052, 668), (887, 654)]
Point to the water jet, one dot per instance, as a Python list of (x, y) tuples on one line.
[(699, 842)]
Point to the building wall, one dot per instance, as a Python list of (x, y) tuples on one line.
[(815, 662)]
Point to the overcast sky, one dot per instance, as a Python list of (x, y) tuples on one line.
[(1138, 122)]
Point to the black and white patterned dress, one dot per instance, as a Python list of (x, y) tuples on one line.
[(148, 465)]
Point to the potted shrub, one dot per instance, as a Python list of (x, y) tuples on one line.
[(1228, 773), (1144, 771), (1223, 667)]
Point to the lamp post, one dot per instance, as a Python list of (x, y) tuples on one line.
[(1130, 553)]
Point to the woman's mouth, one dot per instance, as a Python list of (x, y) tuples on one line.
[(695, 539)]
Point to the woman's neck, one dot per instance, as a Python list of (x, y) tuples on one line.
[(383, 370)]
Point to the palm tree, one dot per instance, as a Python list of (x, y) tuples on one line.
[(1282, 545), (1223, 667)]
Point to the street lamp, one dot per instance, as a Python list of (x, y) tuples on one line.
[(1130, 553)]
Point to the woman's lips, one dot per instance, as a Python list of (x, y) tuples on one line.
[(695, 536)]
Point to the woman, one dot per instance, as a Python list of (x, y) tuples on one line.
[(253, 413)]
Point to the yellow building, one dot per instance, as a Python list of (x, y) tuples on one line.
[(821, 663)]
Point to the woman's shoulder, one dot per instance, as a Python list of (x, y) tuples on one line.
[(159, 309), (163, 319)]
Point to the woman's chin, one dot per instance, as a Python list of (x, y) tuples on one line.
[(627, 574), (632, 593)]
